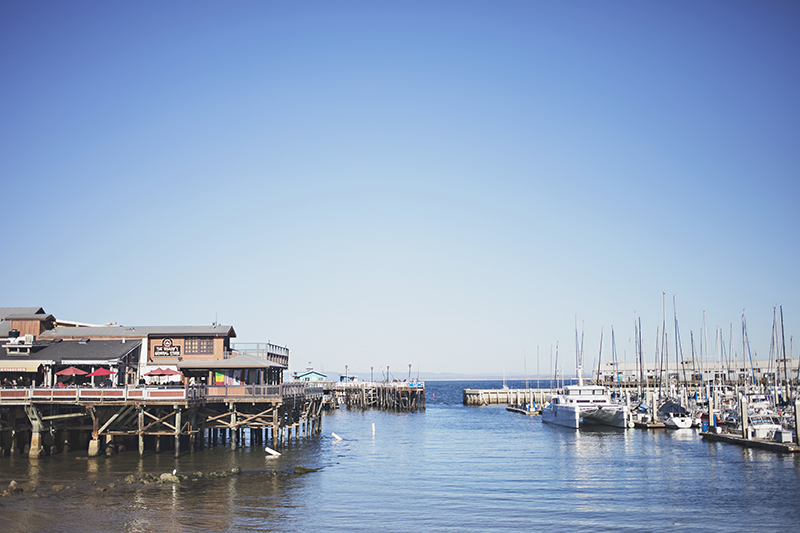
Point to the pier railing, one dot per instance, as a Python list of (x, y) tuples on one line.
[(194, 392)]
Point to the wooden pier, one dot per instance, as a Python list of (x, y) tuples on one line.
[(46, 421), (387, 395)]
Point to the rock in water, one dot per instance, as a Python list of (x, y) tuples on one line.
[(303, 470), (168, 477)]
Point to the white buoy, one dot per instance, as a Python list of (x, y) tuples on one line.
[(271, 451), (335, 436)]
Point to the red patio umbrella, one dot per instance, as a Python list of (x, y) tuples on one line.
[(71, 371), (101, 372), (163, 372)]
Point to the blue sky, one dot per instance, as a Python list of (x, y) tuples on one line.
[(441, 184)]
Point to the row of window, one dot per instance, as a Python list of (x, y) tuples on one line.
[(198, 346)]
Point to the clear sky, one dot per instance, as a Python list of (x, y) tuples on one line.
[(441, 184)]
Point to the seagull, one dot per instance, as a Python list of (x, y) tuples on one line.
[(174, 471)]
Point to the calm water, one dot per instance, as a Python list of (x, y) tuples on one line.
[(450, 468)]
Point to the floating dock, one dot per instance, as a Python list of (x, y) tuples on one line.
[(522, 410), (751, 443)]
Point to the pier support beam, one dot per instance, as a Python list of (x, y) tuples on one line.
[(234, 436), (141, 430), (94, 447), (94, 444), (36, 449), (177, 431)]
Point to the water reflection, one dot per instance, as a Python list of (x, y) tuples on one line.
[(448, 469)]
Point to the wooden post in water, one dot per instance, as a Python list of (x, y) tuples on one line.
[(192, 434), (711, 397), (141, 430), (797, 420), (177, 430), (233, 429), (743, 415)]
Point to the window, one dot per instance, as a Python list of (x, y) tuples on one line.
[(198, 346)]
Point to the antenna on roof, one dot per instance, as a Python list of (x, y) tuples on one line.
[(215, 324)]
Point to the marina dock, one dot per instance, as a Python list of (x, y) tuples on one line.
[(751, 443)]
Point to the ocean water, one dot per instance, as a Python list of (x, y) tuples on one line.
[(448, 468)]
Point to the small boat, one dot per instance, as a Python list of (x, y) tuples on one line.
[(763, 426), (676, 421), (675, 416), (525, 408)]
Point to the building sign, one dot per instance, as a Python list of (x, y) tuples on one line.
[(167, 349)]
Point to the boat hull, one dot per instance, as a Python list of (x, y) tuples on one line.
[(573, 416), (678, 422), (562, 415)]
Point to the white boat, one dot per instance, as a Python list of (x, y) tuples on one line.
[(678, 421), (582, 405), (763, 426), (675, 416)]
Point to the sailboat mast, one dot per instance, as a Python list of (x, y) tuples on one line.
[(636, 352), (643, 377), (577, 352), (705, 338), (600, 355), (786, 394), (662, 374), (657, 361), (694, 369), (677, 362), (616, 363)]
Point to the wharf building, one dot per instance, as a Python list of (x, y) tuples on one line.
[(695, 372), (145, 382)]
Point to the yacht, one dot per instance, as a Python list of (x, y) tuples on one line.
[(581, 404)]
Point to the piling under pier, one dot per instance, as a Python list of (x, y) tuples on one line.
[(41, 422), (387, 395)]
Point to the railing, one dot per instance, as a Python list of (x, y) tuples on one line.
[(194, 392), (268, 351), (373, 384), (97, 394), (239, 391)]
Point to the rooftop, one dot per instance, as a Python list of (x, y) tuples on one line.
[(64, 332)]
